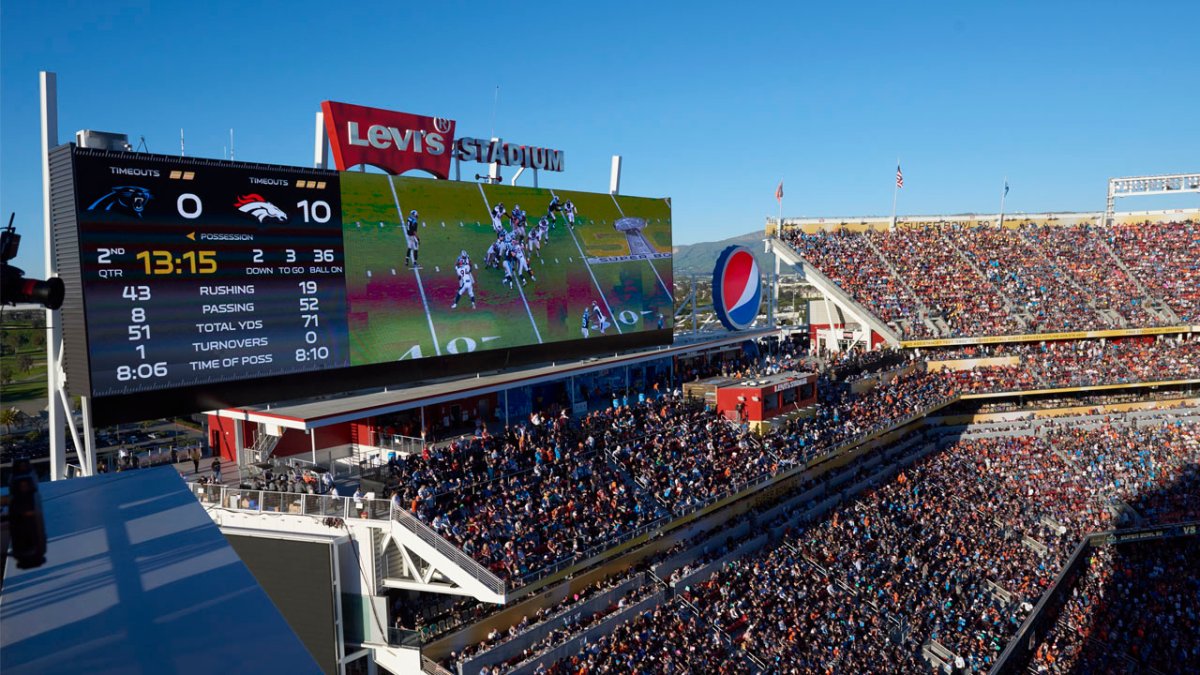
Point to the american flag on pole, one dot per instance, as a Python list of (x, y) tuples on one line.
[(899, 177), (779, 192)]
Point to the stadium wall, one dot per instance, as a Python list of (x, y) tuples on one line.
[(1045, 413), (883, 223), (968, 364)]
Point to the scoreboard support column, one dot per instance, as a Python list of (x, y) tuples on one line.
[(57, 413)]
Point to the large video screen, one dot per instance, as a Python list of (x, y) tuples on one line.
[(194, 272), (586, 266)]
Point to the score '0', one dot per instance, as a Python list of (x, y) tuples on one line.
[(185, 197)]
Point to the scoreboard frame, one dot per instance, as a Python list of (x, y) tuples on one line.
[(109, 408)]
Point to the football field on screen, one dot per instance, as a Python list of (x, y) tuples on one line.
[(625, 289), (396, 312)]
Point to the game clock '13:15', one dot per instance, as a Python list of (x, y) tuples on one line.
[(157, 262)]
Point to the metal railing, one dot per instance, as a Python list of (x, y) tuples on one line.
[(408, 445), (432, 667), (403, 637), (330, 506), (467, 563), (270, 501)]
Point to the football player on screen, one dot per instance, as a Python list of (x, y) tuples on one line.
[(495, 253), (553, 208), (523, 267), (540, 233), (602, 323), (466, 280), (518, 231), (569, 211), (410, 236), (498, 216), (507, 259), (586, 319)]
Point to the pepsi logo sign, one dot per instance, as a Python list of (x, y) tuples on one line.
[(737, 288)]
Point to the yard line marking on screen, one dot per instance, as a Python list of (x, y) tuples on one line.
[(616, 204), (615, 321), (437, 348), (536, 333), (648, 260)]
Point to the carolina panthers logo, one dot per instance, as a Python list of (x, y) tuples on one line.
[(124, 198), (255, 205)]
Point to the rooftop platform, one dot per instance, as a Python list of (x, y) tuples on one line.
[(138, 579), (315, 414)]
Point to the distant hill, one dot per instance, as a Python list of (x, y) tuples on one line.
[(699, 258)]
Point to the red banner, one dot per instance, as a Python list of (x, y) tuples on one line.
[(392, 141)]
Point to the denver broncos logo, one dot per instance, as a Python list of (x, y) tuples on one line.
[(255, 205), (126, 198)]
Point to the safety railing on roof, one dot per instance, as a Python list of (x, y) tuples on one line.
[(330, 506), (271, 501)]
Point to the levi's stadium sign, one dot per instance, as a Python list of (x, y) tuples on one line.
[(397, 142)]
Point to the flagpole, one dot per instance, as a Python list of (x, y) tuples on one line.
[(1003, 194), (895, 192), (779, 220)]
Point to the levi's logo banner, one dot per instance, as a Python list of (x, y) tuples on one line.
[(392, 141)]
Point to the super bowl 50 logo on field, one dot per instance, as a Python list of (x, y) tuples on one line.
[(737, 288)]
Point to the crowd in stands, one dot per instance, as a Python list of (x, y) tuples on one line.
[(1162, 257), (1081, 254), (956, 549), (556, 490), (527, 499), (1081, 363), (683, 454), (1136, 607), (1027, 279), (945, 281), (855, 364), (849, 261), (668, 639)]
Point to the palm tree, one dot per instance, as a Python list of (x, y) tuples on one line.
[(9, 417)]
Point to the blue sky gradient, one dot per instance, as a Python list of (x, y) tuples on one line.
[(711, 104)]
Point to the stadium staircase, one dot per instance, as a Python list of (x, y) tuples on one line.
[(1109, 316), (264, 445), (940, 329), (833, 292), (1022, 318), (938, 657), (1153, 305)]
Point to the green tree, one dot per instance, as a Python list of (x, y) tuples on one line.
[(8, 417), (6, 374), (24, 362)]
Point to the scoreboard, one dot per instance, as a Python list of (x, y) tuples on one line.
[(192, 276), (194, 283)]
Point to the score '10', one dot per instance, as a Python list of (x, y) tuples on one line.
[(189, 206)]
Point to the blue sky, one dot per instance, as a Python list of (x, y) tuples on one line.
[(709, 104)]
